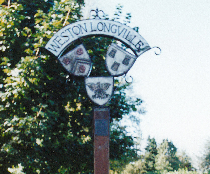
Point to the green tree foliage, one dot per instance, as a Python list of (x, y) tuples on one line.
[(185, 161), (46, 116), (137, 167), (166, 159), (120, 157), (150, 154), (183, 171), (205, 159), (160, 159), (146, 162)]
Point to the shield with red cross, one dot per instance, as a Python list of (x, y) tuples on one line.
[(77, 61), (118, 61)]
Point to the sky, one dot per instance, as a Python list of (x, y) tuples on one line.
[(175, 85)]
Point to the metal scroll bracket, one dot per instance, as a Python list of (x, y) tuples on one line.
[(157, 48)]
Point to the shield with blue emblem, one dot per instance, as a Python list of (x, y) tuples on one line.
[(118, 61)]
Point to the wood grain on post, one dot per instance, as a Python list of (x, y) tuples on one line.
[(101, 140)]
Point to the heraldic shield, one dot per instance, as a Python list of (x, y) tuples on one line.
[(99, 89), (118, 61), (77, 61)]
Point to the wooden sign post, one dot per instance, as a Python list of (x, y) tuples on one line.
[(101, 140)]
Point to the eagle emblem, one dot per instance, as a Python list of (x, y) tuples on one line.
[(99, 89)]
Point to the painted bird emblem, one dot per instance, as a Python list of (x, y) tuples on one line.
[(99, 90)]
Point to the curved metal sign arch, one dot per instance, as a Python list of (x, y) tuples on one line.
[(70, 33)]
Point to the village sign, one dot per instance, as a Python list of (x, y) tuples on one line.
[(77, 61)]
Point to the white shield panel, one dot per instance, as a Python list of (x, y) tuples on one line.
[(77, 61), (99, 89), (118, 61)]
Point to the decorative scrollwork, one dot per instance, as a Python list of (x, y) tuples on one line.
[(97, 13), (128, 79), (158, 49)]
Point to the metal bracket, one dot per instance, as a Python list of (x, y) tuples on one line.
[(158, 49), (130, 80)]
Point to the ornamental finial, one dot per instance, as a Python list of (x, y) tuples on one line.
[(98, 13)]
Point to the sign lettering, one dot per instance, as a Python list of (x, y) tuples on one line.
[(72, 32)]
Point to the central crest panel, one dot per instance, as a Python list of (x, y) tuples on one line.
[(99, 89)]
